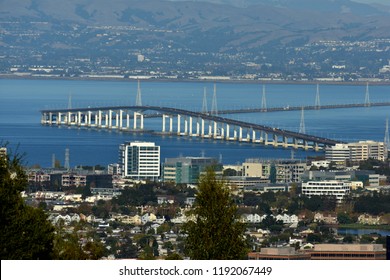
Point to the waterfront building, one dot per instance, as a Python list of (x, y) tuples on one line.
[(186, 170), (140, 160), (338, 189), (357, 151)]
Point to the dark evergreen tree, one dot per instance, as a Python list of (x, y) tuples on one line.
[(216, 232), (25, 231)]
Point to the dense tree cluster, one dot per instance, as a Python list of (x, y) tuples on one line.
[(374, 204), (25, 231)]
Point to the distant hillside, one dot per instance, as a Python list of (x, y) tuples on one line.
[(219, 25)]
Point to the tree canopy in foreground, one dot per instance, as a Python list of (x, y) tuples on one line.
[(25, 231), (216, 232)]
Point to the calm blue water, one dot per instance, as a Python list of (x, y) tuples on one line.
[(21, 100), (346, 231)]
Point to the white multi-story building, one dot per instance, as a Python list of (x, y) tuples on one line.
[(363, 150), (337, 153), (140, 160), (338, 189), (357, 151)]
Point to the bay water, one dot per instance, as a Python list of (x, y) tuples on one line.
[(22, 99)]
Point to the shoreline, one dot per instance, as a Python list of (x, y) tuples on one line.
[(361, 226), (167, 80)]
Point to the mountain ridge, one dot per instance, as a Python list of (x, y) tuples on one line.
[(231, 28)]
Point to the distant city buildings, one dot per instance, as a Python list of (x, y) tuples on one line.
[(140, 160)]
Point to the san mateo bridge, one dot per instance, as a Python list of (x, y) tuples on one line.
[(205, 124), (182, 123)]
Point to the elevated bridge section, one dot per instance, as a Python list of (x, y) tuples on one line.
[(298, 108), (182, 123)]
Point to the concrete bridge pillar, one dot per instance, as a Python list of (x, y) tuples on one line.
[(178, 124), (197, 127), (202, 128), (106, 121), (50, 118), (127, 120), (170, 124), (120, 125), (190, 126), (235, 133), (296, 143), (69, 118), (240, 134), (89, 119), (253, 136), (275, 142), (185, 125), (163, 123), (135, 121), (59, 116), (100, 118), (285, 141), (215, 129), (227, 131), (109, 118)]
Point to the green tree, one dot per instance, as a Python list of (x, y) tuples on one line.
[(344, 218), (216, 232), (67, 246), (25, 231)]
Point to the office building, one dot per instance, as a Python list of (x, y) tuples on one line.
[(357, 151), (186, 170), (338, 189), (286, 171), (139, 160)]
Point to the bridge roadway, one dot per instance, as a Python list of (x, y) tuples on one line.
[(103, 118), (298, 108)]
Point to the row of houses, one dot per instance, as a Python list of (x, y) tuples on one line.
[(365, 219), (256, 218)]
